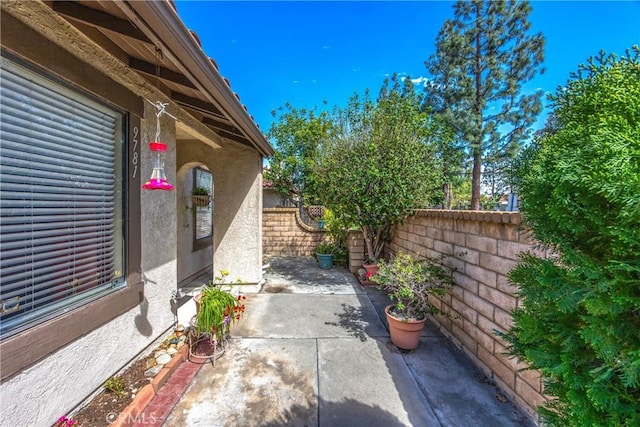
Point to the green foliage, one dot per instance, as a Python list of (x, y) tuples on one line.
[(410, 281), (580, 188), (338, 230), (483, 57), (200, 191), (219, 309), (326, 249), (296, 136), (115, 385), (380, 165)]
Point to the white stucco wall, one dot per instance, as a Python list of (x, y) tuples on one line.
[(41, 393), (53, 387), (270, 199), (238, 182)]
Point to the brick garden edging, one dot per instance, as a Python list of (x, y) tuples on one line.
[(131, 413), (482, 247)]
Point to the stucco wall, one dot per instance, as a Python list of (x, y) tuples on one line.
[(482, 247), (270, 199), (284, 233), (191, 261), (237, 207)]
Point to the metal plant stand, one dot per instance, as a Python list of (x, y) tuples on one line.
[(207, 338)]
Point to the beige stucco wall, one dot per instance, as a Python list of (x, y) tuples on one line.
[(237, 198), (191, 262), (270, 199)]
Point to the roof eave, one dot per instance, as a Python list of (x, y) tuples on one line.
[(161, 23)]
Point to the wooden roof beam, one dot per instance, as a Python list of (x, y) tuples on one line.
[(196, 104), (164, 73), (98, 19)]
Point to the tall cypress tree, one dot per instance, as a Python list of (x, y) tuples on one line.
[(579, 321), (483, 57)]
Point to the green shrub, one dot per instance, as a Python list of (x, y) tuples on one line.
[(115, 385), (326, 249), (337, 229), (580, 187)]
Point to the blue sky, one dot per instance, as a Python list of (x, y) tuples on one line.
[(309, 52)]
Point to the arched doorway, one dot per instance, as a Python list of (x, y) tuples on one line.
[(195, 226)]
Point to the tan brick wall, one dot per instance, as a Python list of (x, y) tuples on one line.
[(285, 234), (357, 250), (483, 247)]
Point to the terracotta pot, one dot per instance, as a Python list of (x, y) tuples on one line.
[(404, 335), (372, 269)]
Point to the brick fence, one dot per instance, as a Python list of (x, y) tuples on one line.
[(482, 247), (284, 233)]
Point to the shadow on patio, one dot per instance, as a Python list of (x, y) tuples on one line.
[(314, 350)]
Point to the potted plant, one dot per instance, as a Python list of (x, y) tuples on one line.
[(324, 254), (200, 197), (217, 309), (410, 282)]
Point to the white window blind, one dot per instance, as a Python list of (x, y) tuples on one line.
[(61, 199)]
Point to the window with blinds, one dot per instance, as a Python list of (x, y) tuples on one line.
[(61, 199), (203, 214)]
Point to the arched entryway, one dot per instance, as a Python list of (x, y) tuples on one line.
[(195, 225)]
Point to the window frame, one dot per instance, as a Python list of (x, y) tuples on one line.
[(206, 241), (30, 346), (83, 262)]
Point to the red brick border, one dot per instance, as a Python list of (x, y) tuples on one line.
[(131, 413)]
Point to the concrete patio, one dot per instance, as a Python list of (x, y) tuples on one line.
[(313, 350)]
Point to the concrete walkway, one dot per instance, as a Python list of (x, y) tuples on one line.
[(313, 350)]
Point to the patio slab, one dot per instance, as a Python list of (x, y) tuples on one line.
[(309, 316), (306, 357), (256, 383), (302, 275), (362, 383)]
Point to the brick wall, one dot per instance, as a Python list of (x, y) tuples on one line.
[(482, 247), (284, 233), (357, 250)]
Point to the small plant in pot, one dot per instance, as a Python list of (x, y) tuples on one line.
[(410, 282), (324, 254), (200, 197), (218, 309)]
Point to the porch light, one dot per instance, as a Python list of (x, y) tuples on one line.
[(158, 180)]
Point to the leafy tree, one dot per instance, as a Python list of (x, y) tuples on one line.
[(580, 185), (297, 135), (483, 56), (381, 164), (450, 150)]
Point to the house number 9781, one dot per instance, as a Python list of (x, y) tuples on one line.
[(134, 156)]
